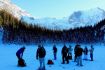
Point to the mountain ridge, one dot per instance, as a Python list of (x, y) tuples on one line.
[(77, 19), (83, 18)]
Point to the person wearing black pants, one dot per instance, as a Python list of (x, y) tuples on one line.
[(55, 52), (65, 54), (91, 53)]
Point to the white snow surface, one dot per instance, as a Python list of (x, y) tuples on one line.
[(8, 59)]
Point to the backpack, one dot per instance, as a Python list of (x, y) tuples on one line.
[(50, 62), (21, 63)]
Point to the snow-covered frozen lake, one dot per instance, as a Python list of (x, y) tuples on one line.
[(8, 60)]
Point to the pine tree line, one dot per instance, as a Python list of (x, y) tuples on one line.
[(16, 31)]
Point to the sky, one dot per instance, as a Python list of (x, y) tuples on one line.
[(57, 8)]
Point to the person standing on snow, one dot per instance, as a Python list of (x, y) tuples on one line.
[(75, 53), (55, 52), (64, 54), (85, 53), (70, 52), (91, 52), (79, 55), (40, 54)]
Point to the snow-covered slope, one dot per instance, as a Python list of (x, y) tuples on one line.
[(13, 9), (49, 23), (87, 17), (77, 19)]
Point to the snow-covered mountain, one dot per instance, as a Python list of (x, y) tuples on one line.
[(87, 17), (77, 19), (49, 23), (13, 9)]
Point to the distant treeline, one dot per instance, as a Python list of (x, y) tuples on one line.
[(19, 32)]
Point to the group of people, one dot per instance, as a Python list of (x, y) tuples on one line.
[(78, 52), (66, 53)]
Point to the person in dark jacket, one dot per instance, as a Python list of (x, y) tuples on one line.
[(19, 55), (79, 55), (65, 54), (75, 53), (40, 54), (85, 53), (55, 52), (91, 52)]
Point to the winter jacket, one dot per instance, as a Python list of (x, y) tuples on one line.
[(40, 52), (79, 52), (85, 51), (19, 53), (70, 50), (75, 49), (91, 50), (54, 49), (64, 51)]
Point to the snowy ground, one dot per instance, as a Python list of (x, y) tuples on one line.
[(8, 60)]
